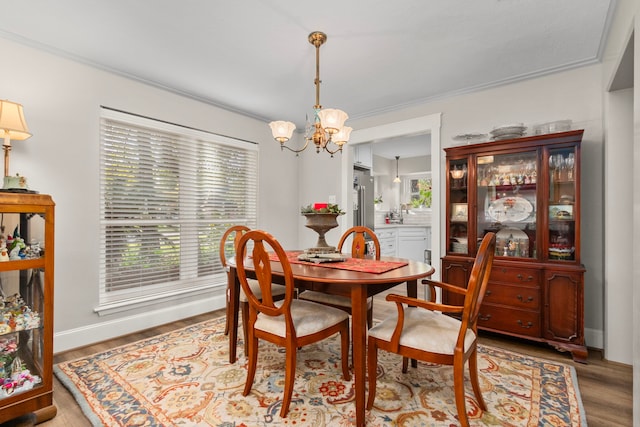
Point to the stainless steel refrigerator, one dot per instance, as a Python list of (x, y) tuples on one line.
[(363, 210)]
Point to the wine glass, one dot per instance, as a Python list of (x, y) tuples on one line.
[(570, 164)]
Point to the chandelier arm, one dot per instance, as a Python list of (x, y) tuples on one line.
[(332, 152), (294, 150)]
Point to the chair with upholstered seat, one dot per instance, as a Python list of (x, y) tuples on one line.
[(290, 323), (358, 250), (424, 331), (232, 236)]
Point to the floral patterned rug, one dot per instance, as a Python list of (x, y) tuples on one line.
[(183, 378)]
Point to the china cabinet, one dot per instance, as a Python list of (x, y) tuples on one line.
[(26, 324), (527, 191)]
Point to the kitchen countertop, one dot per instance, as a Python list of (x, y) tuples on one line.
[(382, 226)]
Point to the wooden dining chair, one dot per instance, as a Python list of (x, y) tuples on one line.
[(235, 233), (290, 323), (358, 250), (424, 330)]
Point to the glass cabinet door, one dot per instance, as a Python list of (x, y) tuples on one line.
[(562, 203), (22, 307), (458, 206), (506, 202)]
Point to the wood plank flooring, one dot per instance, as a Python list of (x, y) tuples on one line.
[(605, 387)]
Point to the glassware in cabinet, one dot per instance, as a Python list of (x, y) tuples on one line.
[(506, 202), (458, 207), (562, 201)]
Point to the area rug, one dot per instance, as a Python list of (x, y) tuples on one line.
[(183, 378)]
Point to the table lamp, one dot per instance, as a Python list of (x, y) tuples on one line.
[(12, 126)]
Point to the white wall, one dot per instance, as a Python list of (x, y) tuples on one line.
[(61, 100), (618, 309), (575, 95), (622, 159)]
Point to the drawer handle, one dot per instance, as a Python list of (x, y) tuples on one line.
[(529, 299), (522, 325), (520, 276), (487, 293), (484, 318)]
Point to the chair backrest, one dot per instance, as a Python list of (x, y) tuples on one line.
[(358, 243), (237, 231), (263, 243), (478, 280)]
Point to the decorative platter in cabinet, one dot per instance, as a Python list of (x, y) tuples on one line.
[(513, 209)]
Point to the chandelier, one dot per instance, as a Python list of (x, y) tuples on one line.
[(328, 124)]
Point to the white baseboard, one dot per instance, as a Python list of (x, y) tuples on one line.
[(594, 338), (96, 332)]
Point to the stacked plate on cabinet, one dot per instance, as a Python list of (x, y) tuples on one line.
[(508, 131), (469, 138)]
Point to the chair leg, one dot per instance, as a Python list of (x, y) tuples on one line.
[(227, 311), (458, 388), (289, 378), (405, 365), (251, 346), (244, 308), (372, 370), (344, 335), (370, 317), (473, 375)]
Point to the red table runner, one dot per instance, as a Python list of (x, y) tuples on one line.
[(363, 265)]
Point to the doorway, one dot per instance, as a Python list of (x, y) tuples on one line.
[(421, 125)]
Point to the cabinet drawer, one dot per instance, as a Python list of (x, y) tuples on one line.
[(515, 276), (386, 234), (388, 247), (519, 322), (514, 296)]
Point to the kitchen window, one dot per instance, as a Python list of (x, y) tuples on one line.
[(167, 195)]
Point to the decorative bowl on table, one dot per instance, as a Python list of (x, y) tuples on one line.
[(321, 219)]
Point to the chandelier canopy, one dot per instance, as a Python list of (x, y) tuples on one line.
[(328, 124)]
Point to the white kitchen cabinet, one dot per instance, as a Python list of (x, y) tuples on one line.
[(363, 155), (413, 242), (388, 238)]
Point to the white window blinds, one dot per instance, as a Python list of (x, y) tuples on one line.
[(168, 193)]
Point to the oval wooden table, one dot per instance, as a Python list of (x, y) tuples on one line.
[(357, 285)]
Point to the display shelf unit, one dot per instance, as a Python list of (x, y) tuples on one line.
[(26, 328), (527, 191)]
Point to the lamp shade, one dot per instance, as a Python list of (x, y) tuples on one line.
[(332, 120), (282, 130), (12, 122), (342, 136)]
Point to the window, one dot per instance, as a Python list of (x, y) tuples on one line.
[(168, 193), (419, 189)]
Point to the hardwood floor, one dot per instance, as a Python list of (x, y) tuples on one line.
[(605, 387)]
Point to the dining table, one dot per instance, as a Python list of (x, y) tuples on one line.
[(358, 279)]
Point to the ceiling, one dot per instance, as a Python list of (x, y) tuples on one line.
[(253, 56)]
